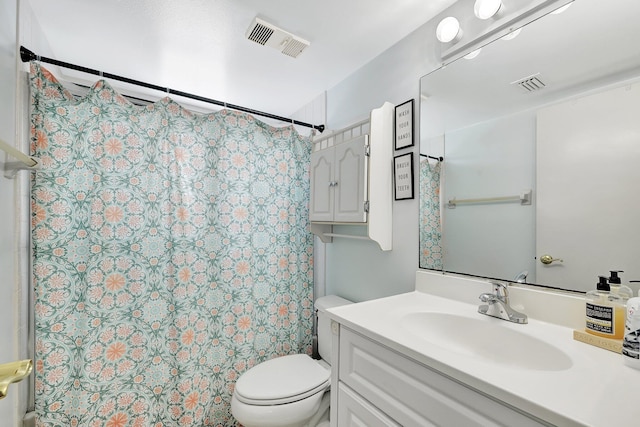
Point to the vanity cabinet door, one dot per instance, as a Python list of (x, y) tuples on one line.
[(413, 394), (354, 411)]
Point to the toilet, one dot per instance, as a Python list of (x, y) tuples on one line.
[(289, 391)]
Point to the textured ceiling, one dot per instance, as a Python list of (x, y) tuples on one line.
[(199, 46)]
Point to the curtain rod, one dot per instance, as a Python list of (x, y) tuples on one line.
[(431, 157), (26, 55)]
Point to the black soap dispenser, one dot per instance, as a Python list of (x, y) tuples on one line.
[(615, 283)]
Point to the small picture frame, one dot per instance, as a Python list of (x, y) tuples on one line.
[(404, 125), (403, 176)]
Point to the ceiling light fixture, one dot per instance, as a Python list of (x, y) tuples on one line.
[(448, 30), (485, 9)]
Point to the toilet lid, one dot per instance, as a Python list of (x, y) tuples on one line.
[(282, 380)]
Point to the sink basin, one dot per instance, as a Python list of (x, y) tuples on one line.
[(487, 340)]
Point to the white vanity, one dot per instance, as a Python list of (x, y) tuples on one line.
[(429, 358)]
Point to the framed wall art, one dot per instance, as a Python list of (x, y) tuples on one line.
[(404, 125), (403, 176)]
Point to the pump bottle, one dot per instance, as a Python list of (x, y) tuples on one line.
[(631, 341), (605, 314), (617, 287)]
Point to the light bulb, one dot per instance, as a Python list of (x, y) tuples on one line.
[(448, 29), (473, 54), (485, 9), (512, 35), (561, 9)]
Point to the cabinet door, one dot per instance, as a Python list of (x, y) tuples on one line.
[(586, 216), (413, 394), (321, 206), (351, 177)]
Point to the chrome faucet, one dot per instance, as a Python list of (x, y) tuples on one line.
[(497, 304), (521, 277)]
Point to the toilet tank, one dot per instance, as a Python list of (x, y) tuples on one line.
[(324, 323)]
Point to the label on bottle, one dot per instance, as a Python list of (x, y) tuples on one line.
[(631, 341), (631, 344), (600, 318), (630, 353)]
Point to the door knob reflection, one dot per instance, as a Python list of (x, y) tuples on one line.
[(548, 259)]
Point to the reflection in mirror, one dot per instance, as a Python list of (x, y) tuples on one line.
[(430, 220), (553, 111)]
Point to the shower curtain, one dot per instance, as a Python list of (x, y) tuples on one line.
[(430, 225), (171, 253)]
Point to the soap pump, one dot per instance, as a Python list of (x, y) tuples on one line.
[(617, 287), (605, 314)]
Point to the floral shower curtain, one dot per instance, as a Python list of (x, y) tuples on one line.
[(430, 225), (171, 254)]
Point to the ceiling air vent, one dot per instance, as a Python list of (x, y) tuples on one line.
[(267, 34), (259, 33), (530, 84)]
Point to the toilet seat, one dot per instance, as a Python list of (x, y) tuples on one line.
[(282, 380)]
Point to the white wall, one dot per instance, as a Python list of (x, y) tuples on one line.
[(16, 27), (356, 269), (14, 405)]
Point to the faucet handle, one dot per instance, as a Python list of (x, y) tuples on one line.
[(488, 297), (500, 289)]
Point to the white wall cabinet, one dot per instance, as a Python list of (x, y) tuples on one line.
[(352, 182), (339, 182), (377, 386)]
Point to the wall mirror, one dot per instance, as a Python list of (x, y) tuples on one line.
[(552, 117)]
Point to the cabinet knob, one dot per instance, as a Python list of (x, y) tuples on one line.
[(333, 183)]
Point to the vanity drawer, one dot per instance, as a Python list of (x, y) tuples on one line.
[(413, 394), (355, 411)]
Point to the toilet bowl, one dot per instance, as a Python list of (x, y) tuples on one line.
[(282, 392), (289, 391)]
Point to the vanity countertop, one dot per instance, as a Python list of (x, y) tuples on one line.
[(592, 387)]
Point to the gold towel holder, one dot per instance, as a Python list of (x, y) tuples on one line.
[(12, 373)]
